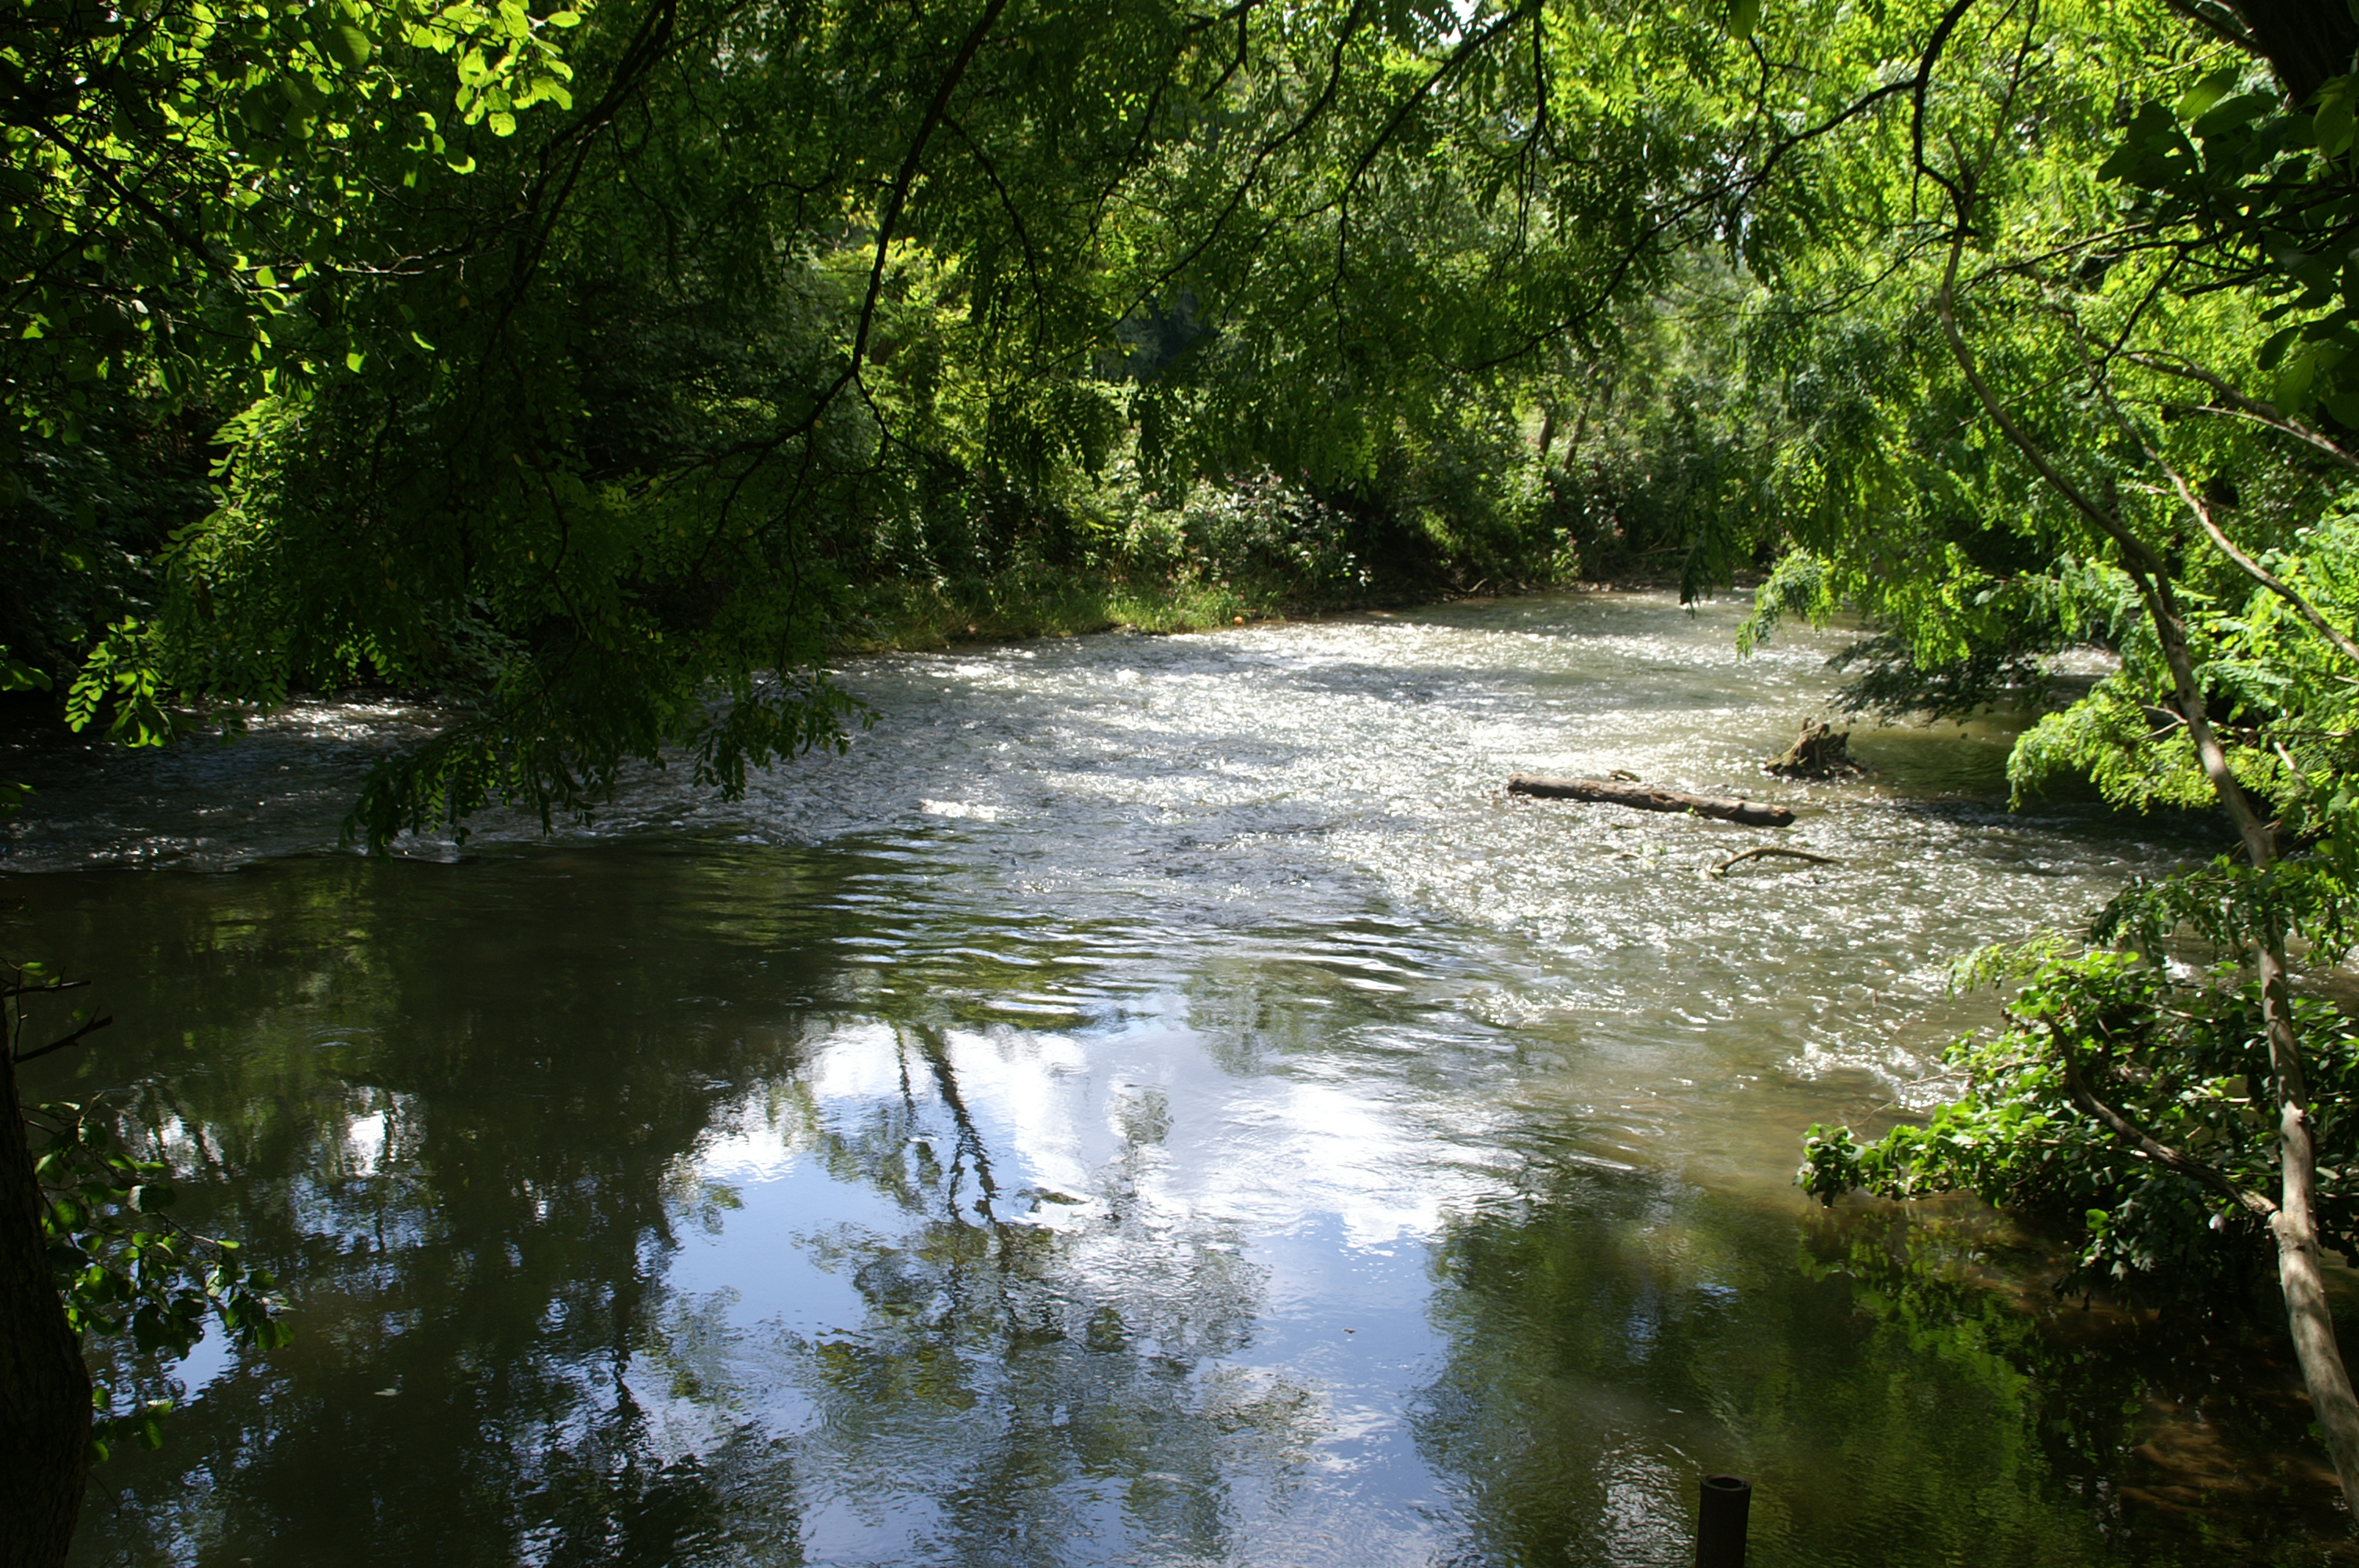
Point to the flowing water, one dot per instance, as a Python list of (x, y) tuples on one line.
[(1154, 1100)]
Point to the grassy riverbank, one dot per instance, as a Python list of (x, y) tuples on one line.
[(1251, 548)]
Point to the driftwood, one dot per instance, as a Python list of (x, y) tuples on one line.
[(1752, 813), (1722, 869), (1822, 753)]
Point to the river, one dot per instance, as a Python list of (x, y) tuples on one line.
[(1153, 1100)]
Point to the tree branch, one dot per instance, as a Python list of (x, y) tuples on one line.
[(887, 223), (93, 1027), (1722, 869), (2249, 566), (2102, 384), (9, 993), (2154, 1149), (2260, 413)]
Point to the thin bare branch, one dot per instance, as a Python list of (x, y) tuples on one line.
[(93, 1027), (1722, 869), (2249, 566), (12, 992)]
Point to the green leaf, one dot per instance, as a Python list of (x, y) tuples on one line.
[(2200, 97), (16, 675), (1744, 16), (350, 46), (2331, 129), (2237, 111)]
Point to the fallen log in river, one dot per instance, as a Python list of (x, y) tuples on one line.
[(1751, 813)]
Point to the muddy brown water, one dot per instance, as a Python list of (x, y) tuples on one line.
[(1153, 1101)]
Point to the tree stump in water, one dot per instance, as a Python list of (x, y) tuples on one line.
[(1752, 813), (1819, 753)]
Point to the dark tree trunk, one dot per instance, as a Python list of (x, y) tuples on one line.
[(2305, 41), (43, 1388)]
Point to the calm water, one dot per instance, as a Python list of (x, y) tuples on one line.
[(1154, 1101)]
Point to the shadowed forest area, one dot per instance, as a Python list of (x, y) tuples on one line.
[(711, 434)]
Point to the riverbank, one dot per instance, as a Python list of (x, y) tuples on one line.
[(1019, 606)]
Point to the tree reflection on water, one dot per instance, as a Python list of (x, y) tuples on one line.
[(470, 1131), (1904, 1391), (687, 1204)]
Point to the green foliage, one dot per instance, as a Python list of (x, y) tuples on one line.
[(2257, 194), (533, 750), (196, 216), (1662, 456), (2126, 294), (597, 439), (16, 675), (186, 180), (2188, 1062), (2282, 700), (2118, 740), (82, 521), (2040, 390), (125, 1269), (1259, 528)]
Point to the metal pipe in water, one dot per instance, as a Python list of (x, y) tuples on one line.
[(1719, 1526)]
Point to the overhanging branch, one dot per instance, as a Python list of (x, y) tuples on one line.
[(2154, 1149)]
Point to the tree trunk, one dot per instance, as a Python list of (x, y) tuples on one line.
[(1818, 752), (2301, 1265), (2305, 41), (43, 1388), (2300, 1270), (2301, 1274)]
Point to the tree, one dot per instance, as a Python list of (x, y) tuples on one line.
[(2101, 476), (723, 363), (589, 418), (45, 1394), (182, 188), (580, 416)]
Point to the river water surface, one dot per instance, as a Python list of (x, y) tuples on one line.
[(1154, 1100)]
